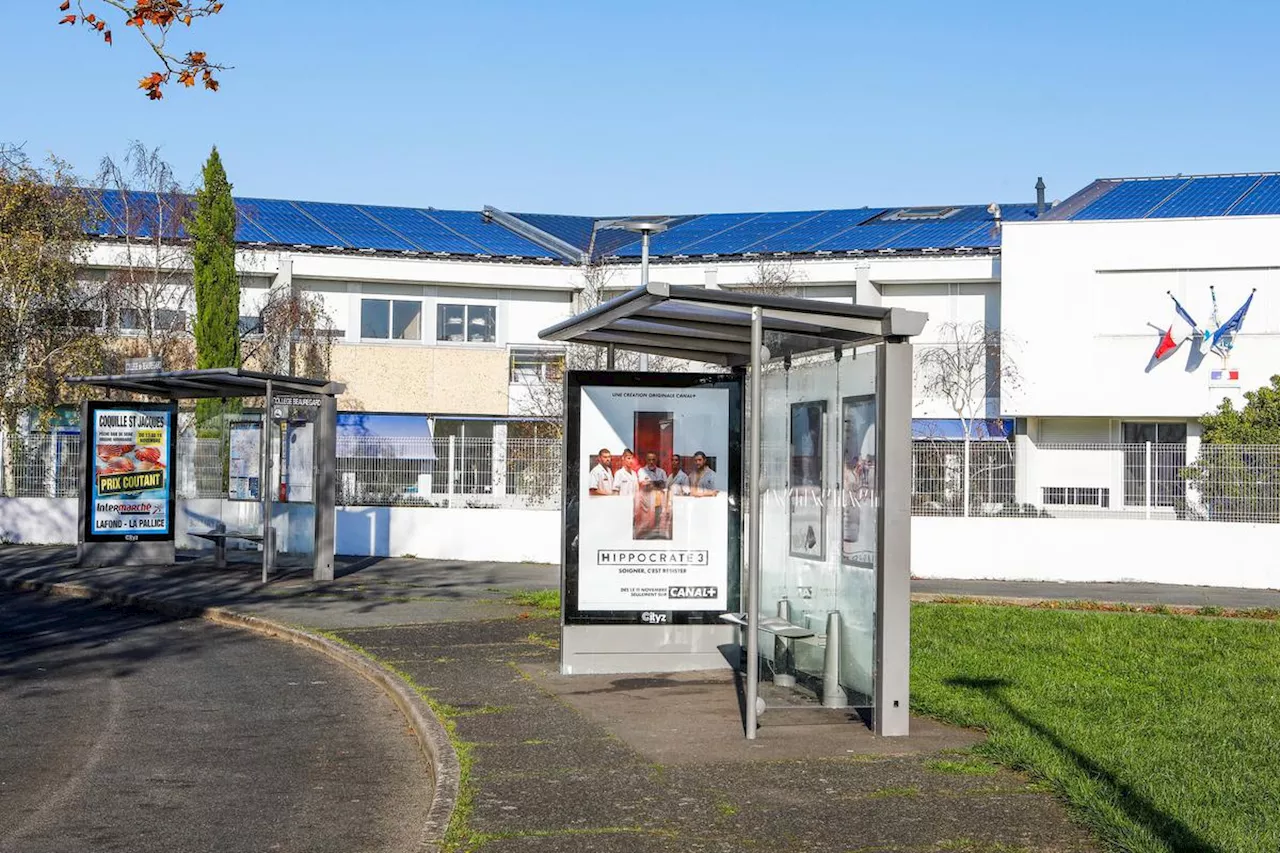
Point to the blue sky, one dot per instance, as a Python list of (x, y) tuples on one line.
[(609, 108)]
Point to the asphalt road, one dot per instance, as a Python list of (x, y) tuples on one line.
[(128, 732)]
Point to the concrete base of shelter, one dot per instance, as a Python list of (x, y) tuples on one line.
[(619, 649), (93, 555), (695, 716)]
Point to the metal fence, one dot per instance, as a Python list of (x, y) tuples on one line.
[(454, 472), (522, 473), (938, 482), (1107, 481)]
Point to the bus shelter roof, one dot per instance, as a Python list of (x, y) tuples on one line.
[(714, 326), (211, 382)]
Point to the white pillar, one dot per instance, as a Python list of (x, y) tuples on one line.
[(499, 460)]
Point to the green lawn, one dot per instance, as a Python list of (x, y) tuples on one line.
[(1163, 732)]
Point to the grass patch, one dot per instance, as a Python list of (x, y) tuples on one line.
[(971, 766), (1159, 731), (547, 641), (910, 791), (1270, 614), (545, 601), (726, 808)]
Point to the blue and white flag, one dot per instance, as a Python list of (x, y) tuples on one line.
[(1182, 312), (1233, 324)]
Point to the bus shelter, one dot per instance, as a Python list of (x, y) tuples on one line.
[(275, 473), (789, 535)]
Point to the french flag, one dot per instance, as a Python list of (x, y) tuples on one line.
[(1225, 375)]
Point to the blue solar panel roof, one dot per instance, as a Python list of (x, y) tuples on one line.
[(1205, 197), (803, 237), (490, 236), (288, 223), (609, 240), (355, 226), (936, 235), (872, 236), (674, 240), (1166, 198), (471, 233), (1132, 199), (739, 238), (574, 230), (1262, 200), (424, 233), (138, 214)]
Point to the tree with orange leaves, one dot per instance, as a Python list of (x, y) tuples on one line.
[(154, 21)]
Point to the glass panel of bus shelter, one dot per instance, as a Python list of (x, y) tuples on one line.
[(819, 512), (294, 428)]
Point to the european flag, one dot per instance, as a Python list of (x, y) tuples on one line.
[(1234, 323)]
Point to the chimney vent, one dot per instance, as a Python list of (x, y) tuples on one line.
[(1040, 196)]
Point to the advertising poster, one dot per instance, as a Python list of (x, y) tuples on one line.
[(245, 457), (807, 516), (130, 493), (656, 496), (299, 458), (859, 501)]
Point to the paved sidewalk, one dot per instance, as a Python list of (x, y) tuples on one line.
[(608, 763)]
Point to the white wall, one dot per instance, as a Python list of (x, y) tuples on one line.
[(1059, 549), (499, 535), (1087, 302), (38, 521), (502, 535)]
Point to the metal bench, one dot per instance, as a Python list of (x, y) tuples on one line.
[(219, 539), (771, 624)]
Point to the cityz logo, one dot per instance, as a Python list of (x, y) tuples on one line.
[(693, 592), (651, 618)]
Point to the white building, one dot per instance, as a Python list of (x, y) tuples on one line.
[(1086, 299)]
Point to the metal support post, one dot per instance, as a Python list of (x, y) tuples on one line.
[(609, 358), (325, 479), (266, 486), (1147, 456), (453, 468), (833, 695), (893, 552), (644, 282), (754, 524), (783, 658)]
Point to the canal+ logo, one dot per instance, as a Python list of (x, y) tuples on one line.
[(692, 592)]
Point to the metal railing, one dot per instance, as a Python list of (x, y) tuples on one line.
[(1238, 483), (444, 472), (938, 481), (1147, 481)]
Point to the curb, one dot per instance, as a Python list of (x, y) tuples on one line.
[(428, 729)]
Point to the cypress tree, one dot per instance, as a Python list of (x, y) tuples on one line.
[(217, 287)]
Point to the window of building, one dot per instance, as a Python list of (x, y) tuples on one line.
[(915, 213), (165, 320), (250, 326), (391, 319), (470, 323), (1168, 442), (1076, 496), (534, 366)]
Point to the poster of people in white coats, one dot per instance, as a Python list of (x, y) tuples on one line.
[(653, 526)]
